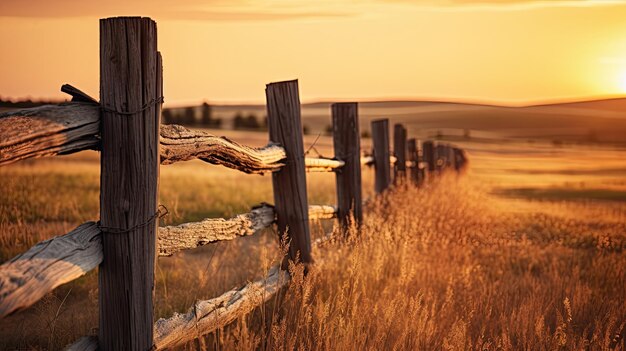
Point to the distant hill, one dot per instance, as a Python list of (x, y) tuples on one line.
[(593, 121), (613, 104)]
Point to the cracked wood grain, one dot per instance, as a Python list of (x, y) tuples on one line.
[(172, 239), (181, 144), (71, 127), (314, 164), (208, 315), (28, 277), (48, 130)]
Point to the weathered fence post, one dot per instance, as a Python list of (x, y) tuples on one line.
[(380, 139), (290, 194), (347, 144), (130, 96), (460, 160), (414, 159), (440, 157), (422, 167), (428, 153), (399, 149), (450, 158)]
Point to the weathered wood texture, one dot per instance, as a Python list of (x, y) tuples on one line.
[(172, 239), (422, 167), (209, 315), (314, 164), (181, 144), (322, 212), (130, 95), (428, 153), (440, 157), (347, 145), (71, 127), (380, 139), (85, 343), (28, 277), (450, 159), (48, 130), (412, 156), (206, 316), (290, 193), (399, 150), (77, 94)]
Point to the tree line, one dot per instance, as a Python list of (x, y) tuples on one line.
[(202, 116), (188, 116)]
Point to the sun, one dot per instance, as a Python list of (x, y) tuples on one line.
[(622, 81)]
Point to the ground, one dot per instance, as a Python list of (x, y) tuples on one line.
[(523, 251)]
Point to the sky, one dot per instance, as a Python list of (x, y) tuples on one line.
[(501, 51)]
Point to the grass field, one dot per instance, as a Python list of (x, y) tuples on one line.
[(524, 251)]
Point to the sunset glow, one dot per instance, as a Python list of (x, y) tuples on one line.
[(499, 51), (622, 82)]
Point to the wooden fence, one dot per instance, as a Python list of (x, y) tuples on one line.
[(125, 127)]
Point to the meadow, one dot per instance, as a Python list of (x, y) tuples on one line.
[(524, 251)]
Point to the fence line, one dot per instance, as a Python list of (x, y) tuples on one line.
[(125, 128), (81, 251), (75, 126)]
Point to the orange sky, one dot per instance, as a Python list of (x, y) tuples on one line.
[(506, 51)]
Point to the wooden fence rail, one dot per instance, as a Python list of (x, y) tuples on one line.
[(75, 126), (28, 277), (125, 127), (209, 315)]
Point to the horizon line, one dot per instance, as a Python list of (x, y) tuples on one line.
[(454, 100), (514, 103)]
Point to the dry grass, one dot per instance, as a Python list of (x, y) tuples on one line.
[(449, 266)]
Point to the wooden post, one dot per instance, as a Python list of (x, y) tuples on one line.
[(399, 149), (450, 158), (347, 144), (130, 95), (413, 157), (440, 157), (290, 194), (428, 153), (460, 159), (422, 168), (380, 139)]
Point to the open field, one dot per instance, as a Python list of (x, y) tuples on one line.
[(524, 251)]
